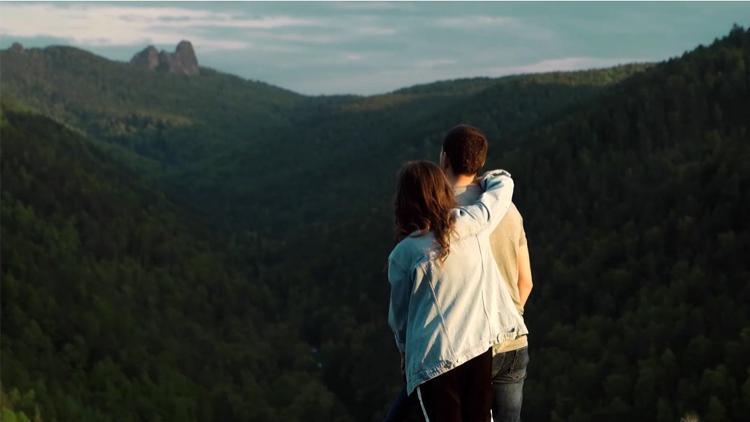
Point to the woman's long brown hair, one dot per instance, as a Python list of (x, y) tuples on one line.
[(424, 200)]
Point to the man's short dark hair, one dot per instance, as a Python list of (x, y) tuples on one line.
[(465, 148)]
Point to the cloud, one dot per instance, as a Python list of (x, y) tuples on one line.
[(366, 5), (371, 47), (299, 37), (103, 25), (115, 25), (472, 22), (505, 29), (370, 6), (375, 31)]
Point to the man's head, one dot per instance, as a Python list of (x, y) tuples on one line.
[(464, 151)]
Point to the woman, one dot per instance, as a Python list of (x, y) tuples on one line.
[(447, 307)]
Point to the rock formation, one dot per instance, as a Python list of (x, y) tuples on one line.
[(182, 62), (16, 47), (148, 58)]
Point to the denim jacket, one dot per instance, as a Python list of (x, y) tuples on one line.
[(445, 313)]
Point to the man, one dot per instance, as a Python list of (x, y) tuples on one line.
[(463, 156)]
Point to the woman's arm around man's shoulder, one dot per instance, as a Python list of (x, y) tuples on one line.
[(493, 204)]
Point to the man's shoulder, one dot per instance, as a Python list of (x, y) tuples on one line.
[(470, 194), (511, 223), (513, 215)]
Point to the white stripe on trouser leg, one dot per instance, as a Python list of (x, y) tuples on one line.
[(421, 403)]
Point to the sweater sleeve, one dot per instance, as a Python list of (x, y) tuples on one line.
[(486, 213)]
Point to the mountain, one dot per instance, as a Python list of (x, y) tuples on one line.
[(148, 58), (632, 181), (636, 208), (635, 202), (182, 62), (117, 304), (162, 116), (203, 130)]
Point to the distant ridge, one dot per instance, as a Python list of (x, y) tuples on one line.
[(183, 61)]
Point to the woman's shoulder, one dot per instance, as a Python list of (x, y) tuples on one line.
[(413, 248)]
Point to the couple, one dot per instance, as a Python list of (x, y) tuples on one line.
[(459, 277)]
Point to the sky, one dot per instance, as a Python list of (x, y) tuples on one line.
[(376, 47)]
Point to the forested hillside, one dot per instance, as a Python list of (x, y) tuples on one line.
[(636, 211), (635, 207), (633, 182), (116, 306), (217, 141), (162, 116)]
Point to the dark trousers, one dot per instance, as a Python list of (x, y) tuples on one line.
[(508, 375), (463, 394), (402, 409)]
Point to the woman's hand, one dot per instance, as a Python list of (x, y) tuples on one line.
[(485, 180)]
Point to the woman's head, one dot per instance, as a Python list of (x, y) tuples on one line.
[(424, 200)]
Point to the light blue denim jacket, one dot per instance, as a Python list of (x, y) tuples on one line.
[(446, 313)]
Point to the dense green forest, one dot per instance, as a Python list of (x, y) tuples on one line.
[(117, 307), (211, 248), (642, 306)]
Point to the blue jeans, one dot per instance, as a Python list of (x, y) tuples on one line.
[(508, 374)]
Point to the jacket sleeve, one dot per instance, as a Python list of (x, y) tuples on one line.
[(486, 213), (398, 309)]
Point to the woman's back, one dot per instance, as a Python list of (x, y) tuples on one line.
[(457, 306)]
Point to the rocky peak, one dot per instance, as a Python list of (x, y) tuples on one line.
[(183, 61), (16, 47), (148, 58), (185, 49)]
